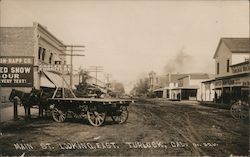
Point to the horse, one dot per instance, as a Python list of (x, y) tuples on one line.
[(45, 93), (27, 99)]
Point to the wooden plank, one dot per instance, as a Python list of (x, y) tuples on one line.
[(91, 100)]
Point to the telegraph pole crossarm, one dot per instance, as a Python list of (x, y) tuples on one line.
[(96, 69), (71, 50)]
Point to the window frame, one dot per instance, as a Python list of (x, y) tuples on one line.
[(218, 68), (228, 65)]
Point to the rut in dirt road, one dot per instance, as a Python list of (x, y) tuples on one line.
[(175, 125), (209, 131)]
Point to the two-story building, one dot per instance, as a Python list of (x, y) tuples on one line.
[(35, 43), (231, 70)]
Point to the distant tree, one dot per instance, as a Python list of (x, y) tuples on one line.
[(141, 88)]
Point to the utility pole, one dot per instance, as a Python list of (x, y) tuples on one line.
[(72, 49), (95, 69), (107, 78)]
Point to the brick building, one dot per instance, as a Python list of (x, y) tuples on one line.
[(36, 42)]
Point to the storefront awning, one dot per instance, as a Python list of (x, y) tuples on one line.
[(45, 82), (185, 87), (158, 90), (208, 81), (56, 80)]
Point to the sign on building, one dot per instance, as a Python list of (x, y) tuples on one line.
[(57, 68), (16, 71), (241, 68), (239, 81)]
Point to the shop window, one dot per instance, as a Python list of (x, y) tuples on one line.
[(228, 65), (50, 58), (218, 68), (57, 62), (43, 54), (40, 50)]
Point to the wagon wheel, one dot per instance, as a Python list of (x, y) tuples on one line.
[(58, 115), (121, 115), (239, 111), (95, 117)]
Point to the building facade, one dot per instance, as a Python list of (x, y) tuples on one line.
[(35, 42), (182, 86), (189, 87), (231, 82)]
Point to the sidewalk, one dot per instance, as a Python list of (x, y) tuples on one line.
[(6, 113), (215, 105)]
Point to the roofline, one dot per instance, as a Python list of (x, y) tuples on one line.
[(36, 24), (216, 51), (240, 51), (232, 75), (185, 87), (183, 77), (47, 31), (210, 80), (16, 27), (158, 89), (190, 75)]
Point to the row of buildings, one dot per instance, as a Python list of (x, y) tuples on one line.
[(178, 86), (34, 57), (229, 83)]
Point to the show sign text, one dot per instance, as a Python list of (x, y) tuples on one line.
[(16, 71)]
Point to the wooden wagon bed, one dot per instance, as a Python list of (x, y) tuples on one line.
[(95, 109)]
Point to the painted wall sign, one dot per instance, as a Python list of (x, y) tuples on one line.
[(243, 81), (16, 71), (241, 68), (57, 68)]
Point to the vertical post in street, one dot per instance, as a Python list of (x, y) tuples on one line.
[(15, 109), (180, 95), (63, 80), (209, 91), (222, 95)]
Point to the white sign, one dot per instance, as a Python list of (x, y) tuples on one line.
[(57, 68)]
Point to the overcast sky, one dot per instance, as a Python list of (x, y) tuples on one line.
[(131, 38)]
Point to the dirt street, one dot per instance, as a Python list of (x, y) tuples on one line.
[(155, 127)]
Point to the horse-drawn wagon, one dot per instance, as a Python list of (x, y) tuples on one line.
[(94, 109), (240, 109)]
